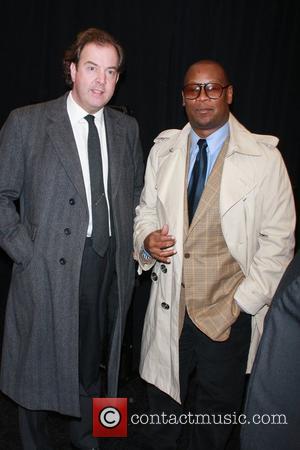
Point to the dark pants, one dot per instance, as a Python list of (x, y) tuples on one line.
[(97, 279), (218, 370)]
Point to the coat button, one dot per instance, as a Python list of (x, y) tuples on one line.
[(187, 255), (165, 305), (62, 261), (72, 201), (154, 277), (67, 231), (163, 268)]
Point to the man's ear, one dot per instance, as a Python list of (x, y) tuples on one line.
[(229, 94), (183, 100), (73, 71)]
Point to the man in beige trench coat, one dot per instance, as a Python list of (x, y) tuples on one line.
[(217, 258)]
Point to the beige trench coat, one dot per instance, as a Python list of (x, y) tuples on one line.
[(257, 217)]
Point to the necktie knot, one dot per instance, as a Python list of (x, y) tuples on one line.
[(90, 119), (202, 144)]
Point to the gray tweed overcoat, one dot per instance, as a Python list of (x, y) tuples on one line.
[(40, 166)]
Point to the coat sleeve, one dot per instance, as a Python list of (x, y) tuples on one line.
[(146, 219), (14, 237), (274, 236)]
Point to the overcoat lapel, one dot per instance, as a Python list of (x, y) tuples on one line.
[(115, 138), (62, 137)]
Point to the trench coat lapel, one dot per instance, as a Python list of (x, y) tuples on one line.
[(171, 178), (237, 181), (235, 185), (62, 137)]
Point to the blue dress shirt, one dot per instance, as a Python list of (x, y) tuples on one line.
[(215, 143)]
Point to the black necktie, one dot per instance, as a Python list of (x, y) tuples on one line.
[(100, 233), (197, 180)]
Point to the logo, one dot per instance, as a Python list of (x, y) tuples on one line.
[(109, 417)]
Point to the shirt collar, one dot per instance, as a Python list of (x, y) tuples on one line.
[(213, 140), (76, 113)]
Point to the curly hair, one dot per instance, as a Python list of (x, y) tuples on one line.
[(91, 35)]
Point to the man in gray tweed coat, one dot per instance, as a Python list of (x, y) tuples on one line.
[(71, 243)]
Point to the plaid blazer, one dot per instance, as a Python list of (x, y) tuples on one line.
[(210, 274)]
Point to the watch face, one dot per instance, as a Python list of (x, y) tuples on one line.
[(146, 255)]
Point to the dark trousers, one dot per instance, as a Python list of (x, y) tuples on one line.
[(218, 370), (97, 279)]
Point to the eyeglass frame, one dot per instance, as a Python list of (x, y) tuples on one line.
[(203, 85)]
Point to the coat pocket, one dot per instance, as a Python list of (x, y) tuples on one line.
[(24, 263)]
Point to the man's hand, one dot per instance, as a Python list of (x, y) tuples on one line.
[(160, 244)]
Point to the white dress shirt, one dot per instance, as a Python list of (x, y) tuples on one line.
[(80, 129)]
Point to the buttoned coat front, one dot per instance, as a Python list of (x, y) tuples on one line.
[(257, 218), (40, 165)]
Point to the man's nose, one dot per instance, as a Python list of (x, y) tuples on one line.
[(100, 76), (202, 94)]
